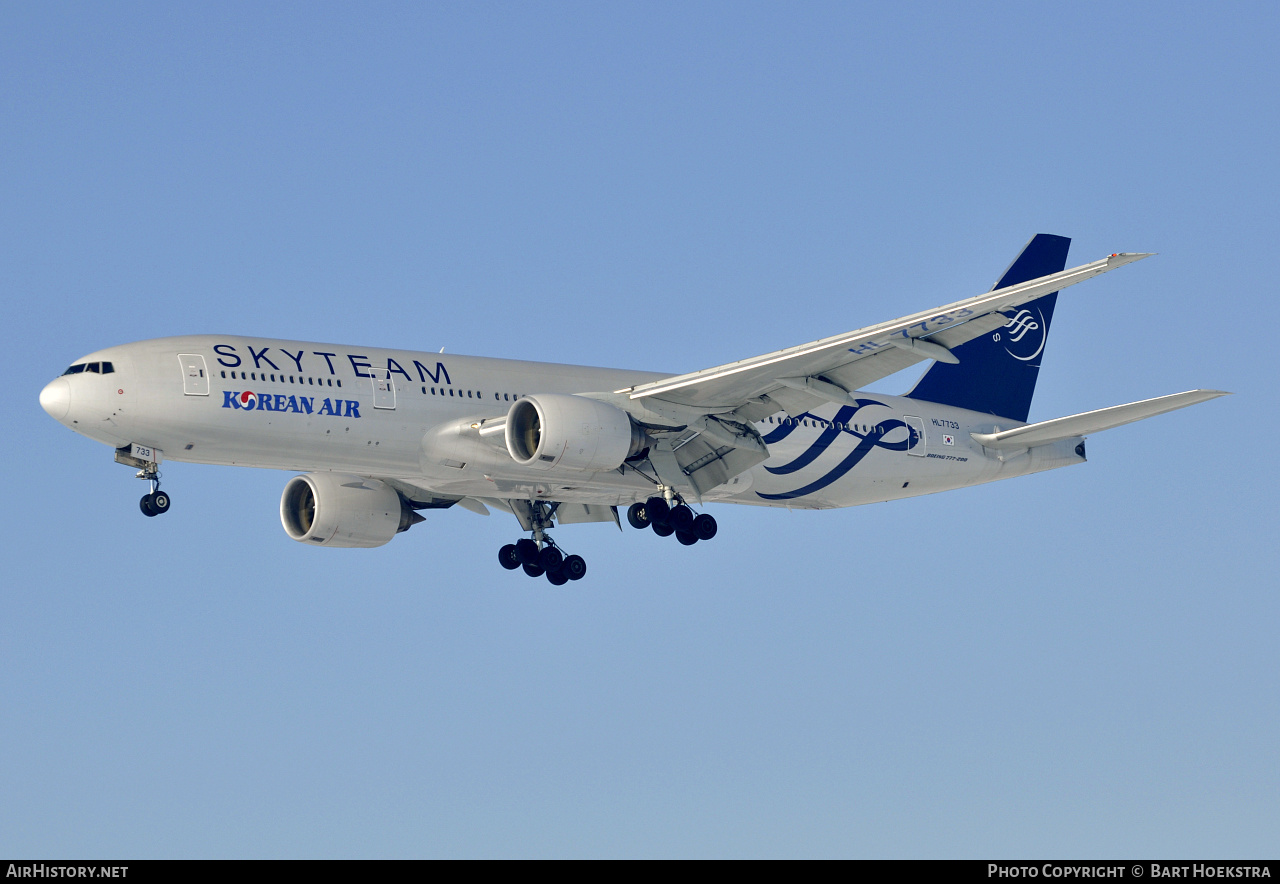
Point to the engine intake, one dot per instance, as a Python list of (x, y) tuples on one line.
[(558, 431), (340, 510)]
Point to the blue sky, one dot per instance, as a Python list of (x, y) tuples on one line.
[(1076, 664)]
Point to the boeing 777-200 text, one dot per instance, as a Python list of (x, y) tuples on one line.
[(381, 435)]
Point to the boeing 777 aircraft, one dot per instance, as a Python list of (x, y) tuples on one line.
[(380, 435)]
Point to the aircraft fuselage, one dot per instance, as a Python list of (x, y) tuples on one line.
[(289, 405)]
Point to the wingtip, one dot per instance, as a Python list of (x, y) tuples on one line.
[(1119, 259), (1206, 395)]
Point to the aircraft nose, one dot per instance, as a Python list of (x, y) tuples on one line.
[(55, 398)]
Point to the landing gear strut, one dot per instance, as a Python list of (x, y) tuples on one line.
[(665, 519)]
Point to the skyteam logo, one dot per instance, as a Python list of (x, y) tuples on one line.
[(247, 400), (1026, 332)]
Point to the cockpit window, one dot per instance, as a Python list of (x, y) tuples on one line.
[(95, 367)]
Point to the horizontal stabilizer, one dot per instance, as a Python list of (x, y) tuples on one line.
[(1092, 421)]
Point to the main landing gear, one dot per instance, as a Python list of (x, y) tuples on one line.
[(538, 555), (666, 520), (157, 502), (545, 560)]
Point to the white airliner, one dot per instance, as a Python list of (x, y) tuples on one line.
[(380, 435)]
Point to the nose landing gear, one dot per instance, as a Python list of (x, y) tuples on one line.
[(156, 503)]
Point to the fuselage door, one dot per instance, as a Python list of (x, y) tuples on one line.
[(195, 378), (915, 435), (384, 388)]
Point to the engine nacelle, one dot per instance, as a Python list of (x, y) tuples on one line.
[(337, 509), (557, 431)]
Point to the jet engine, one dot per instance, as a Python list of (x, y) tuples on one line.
[(557, 431), (340, 510)]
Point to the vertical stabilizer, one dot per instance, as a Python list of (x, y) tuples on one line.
[(997, 372)]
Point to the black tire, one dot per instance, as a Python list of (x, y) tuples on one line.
[(662, 529), (557, 577), (550, 558), (705, 526), (688, 538), (532, 570), (145, 505), (160, 502), (638, 516), (507, 557), (527, 551), (681, 518), (574, 567), (656, 508)]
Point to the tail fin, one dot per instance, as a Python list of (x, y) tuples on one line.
[(997, 373)]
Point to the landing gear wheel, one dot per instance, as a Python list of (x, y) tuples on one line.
[(159, 503), (705, 526), (550, 558), (681, 518), (527, 552), (557, 578), (656, 508), (688, 538), (507, 557), (145, 505), (574, 567), (533, 570), (638, 516), (662, 529)]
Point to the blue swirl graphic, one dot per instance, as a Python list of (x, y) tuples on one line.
[(874, 438), (810, 454), (824, 440)]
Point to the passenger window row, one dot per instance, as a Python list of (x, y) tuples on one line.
[(94, 367), (816, 422), (315, 382), (283, 379), (471, 394)]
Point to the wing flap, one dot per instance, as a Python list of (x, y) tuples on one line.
[(706, 464), (859, 373), (579, 513), (1092, 421), (962, 334)]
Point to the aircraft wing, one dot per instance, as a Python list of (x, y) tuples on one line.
[(799, 378)]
